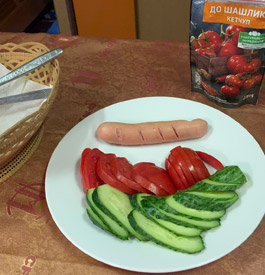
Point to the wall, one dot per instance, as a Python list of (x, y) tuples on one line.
[(163, 19)]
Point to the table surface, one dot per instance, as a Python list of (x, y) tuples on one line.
[(94, 74)]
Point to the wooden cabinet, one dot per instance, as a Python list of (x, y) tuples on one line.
[(105, 18), (142, 19)]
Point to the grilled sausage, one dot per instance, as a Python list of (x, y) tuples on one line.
[(151, 132)]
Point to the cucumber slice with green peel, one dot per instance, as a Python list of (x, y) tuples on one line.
[(177, 218), (209, 185), (116, 205), (161, 236), (115, 228), (229, 178), (229, 174), (96, 219), (186, 210), (136, 199), (211, 201), (161, 204), (222, 195), (176, 226), (179, 230), (182, 210)]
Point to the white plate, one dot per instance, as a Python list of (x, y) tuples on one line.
[(226, 139)]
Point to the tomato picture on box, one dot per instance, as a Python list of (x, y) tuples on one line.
[(227, 51)]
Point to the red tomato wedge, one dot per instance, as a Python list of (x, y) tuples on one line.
[(200, 167), (83, 171), (105, 173), (159, 176), (138, 175), (209, 159), (174, 175), (122, 169), (89, 177), (192, 168), (177, 154), (178, 170), (83, 159)]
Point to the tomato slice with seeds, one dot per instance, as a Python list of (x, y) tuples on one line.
[(105, 173), (174, 175), (122, 169), (159, 176), (138, 175), (200, 167), (178, 170), (89, 177), (176, 152)]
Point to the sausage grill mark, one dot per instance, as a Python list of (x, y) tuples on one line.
[(141, 134), (160, 132), (118, 134), (175, 131)]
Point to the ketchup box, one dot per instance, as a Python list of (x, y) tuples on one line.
[(227, 41)]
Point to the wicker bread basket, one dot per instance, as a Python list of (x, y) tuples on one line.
[(17, 137)]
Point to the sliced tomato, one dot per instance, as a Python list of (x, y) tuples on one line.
[(177, 154), (105, 173), (209, 159), (89, 177), (159, 176), (200, 167), (174, 175), (190, 165), (122, 169), (83, 170), (83, 159), (138, 175), (179, 171)]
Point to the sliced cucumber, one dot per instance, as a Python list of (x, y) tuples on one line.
[(115, 228), (227, 179), (116, 205), (177, 218), (222, 195), (211, 201), (209, 185), (136, 199), (176, 226), (96, 219), (229, 174), (178, 229), (186, 210), (174, 221), (161, 236)]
